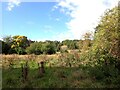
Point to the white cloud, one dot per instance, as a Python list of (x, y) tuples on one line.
[(84, 14), (12, 4)]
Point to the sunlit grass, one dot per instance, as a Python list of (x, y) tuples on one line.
[(58, 73)]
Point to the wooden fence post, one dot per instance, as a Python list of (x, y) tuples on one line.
[(25, 71), (41, 69)]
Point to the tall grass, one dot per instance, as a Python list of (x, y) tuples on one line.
[(61, 70)]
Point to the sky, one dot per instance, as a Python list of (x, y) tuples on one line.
[(42, 20)]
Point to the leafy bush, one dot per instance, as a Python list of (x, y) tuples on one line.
[(41, 48), (48, 48), (35, 48)]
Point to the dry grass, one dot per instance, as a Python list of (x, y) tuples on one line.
[(56, 59), (6, 59), (27, 57)]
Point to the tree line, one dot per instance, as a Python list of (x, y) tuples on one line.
[(22, 45)]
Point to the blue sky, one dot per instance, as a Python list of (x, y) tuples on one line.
[(36, 20), (65, 19)]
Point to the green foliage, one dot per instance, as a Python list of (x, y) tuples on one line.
[(86, 43), (72, 44), (34, 48), (107, 36), (8, 39), (48, 48), (16, 44), (1, 47), (102, 58), (57, 45), (19, 44), (41, 48), (105, 49), (6, 45)]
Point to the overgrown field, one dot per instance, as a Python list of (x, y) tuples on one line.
[(91, 62), (61, 70)]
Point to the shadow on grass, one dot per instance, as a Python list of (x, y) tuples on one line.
[(62, 77)]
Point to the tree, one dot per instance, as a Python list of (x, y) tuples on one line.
[(1, 46), (86, 42), (19, 44), (107, 34), (80, 44), (71, 44), (41, 48), (48, 48), (57, 45), (34, 48), (87, 36), (8, 39), (6, 45)]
